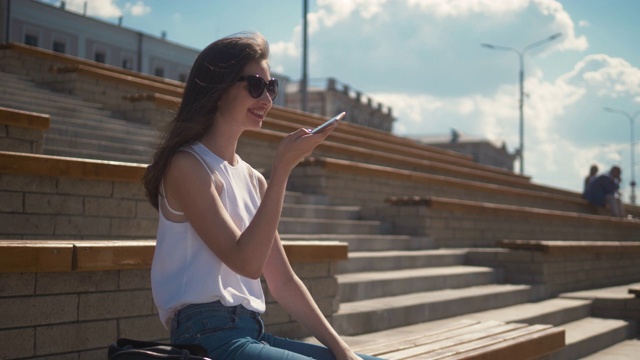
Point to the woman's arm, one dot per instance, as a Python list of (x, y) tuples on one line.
[(189, 189), (290, 292)]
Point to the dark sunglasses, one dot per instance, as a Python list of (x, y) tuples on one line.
[(257, 86)]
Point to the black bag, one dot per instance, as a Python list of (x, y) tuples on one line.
[(127, 349)]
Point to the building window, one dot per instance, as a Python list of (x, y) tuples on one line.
[(159, 72), (100, 57), (60, 47), (127, 64), (182, 77), (31, 40)]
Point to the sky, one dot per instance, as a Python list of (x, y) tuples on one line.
[(424, 59)]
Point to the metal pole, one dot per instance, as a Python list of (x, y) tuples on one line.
[(303, 84), (633, 162), (520, 54)]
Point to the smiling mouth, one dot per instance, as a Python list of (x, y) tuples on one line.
[(258, 113)]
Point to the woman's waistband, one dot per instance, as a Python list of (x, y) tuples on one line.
[(217, 306)]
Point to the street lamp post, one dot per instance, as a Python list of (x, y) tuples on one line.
[(631, 145), (520, 54)]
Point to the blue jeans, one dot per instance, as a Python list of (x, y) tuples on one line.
[(238, 333)]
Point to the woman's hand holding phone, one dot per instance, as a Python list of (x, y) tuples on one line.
[(328, 123)]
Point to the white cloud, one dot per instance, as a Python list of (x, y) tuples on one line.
[(455, 8), (607, 76), (558, 146), (107, 9), (98, 8), (137, 9)]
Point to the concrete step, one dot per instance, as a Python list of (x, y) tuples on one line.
[(129, 138), (376, 284), (294, 197), (360, 261), (323, 226), (96, 155), (590, 335), (109, 123), (52, 141), (104, 122), (321, 211), (555, 312), (624, 350), (372, 315), (51, 101), (373, 242), (17, 84)]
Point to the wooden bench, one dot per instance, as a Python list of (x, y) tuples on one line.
[(99, 255), (24, 119), (472, 340), (44, 165)]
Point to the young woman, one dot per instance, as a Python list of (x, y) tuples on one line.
[(217, 231)]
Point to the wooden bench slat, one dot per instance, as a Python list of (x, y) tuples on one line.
[(527, 346), (101, 255), (449, 342), (473, 340), (316, 251), (397, 343), (432, 337), (25, 119), (45, 165), (114, 255), (15, 257)]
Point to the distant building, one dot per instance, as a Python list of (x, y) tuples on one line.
[(55, 28), (483, 151), (330, 101)]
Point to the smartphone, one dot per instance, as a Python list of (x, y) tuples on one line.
[(328, 123)]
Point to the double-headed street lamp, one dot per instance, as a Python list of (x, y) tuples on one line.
[(521, 57), (631, 145)]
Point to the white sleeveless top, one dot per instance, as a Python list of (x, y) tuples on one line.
[(184, 270)]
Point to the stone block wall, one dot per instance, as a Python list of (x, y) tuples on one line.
[(560, 273), (76, 315), (52, 207), (20, 139), (22, 131)]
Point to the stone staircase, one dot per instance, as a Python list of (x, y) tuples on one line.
[(79, 128), (391, 284), (395, 284)]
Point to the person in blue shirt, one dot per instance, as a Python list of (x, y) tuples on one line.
[(603, 191)]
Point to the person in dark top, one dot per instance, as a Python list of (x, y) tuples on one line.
[(603, 191), (593, 173)]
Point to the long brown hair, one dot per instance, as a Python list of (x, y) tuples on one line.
[(215, 70)]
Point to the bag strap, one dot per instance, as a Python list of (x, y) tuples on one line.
[(125, 343)]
